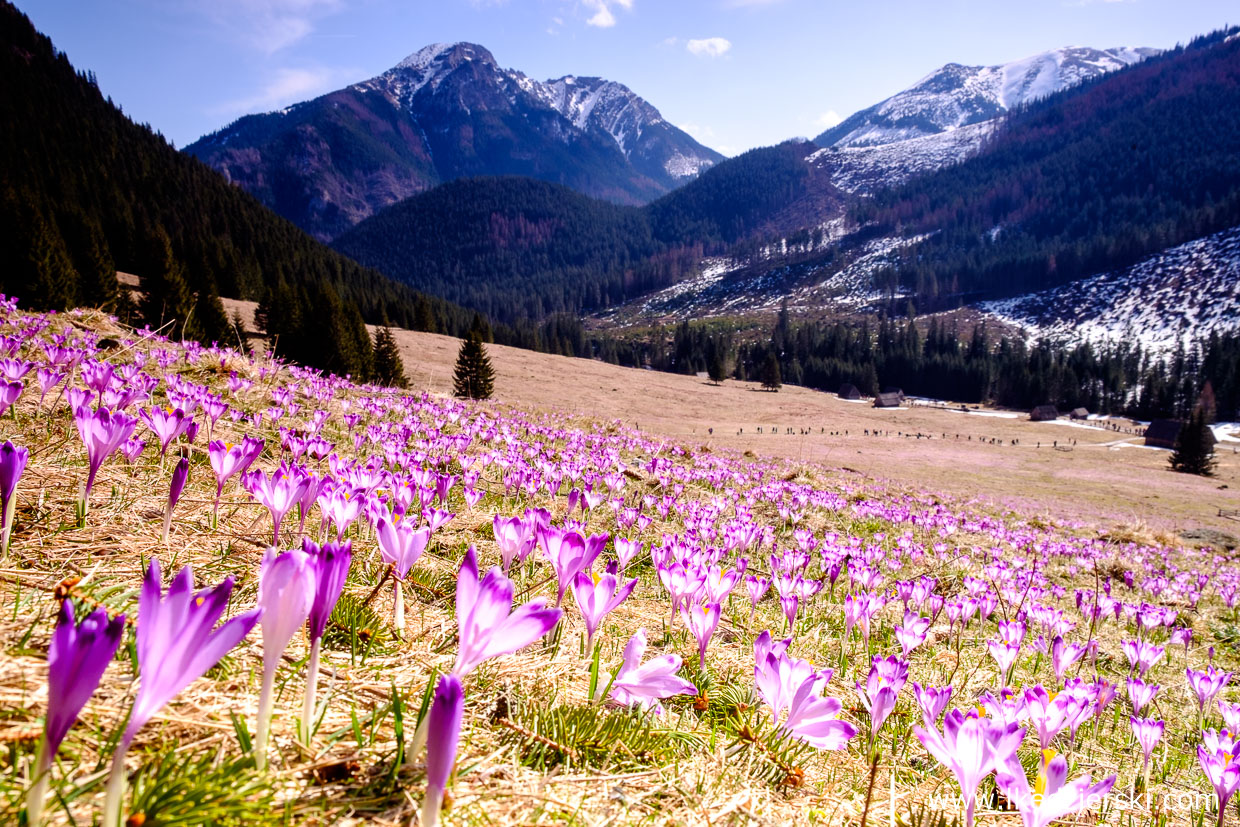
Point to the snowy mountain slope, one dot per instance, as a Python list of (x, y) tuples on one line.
[(956, 95), (944, 117), (450, 111), (1172, 298)]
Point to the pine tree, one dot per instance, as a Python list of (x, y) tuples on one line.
[(167, 298), (389, 369), (717, 365), (1194, 447), (771, 380), (47, 277), (473, 378)]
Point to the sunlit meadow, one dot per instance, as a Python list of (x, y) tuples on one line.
[(240, 592)]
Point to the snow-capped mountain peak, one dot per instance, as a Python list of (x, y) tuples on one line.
[(956, 95)]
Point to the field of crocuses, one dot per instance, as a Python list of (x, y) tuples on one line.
[(240, 592)]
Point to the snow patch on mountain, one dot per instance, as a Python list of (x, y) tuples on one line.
[(1169, 299), (867, 169)]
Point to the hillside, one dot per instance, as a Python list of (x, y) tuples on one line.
[(1090, 180), (84, 191), (450, 111), (518, 248)]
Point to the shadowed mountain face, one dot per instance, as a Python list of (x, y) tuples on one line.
[(447, 112)]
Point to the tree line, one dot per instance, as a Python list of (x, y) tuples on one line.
[(943, 361)]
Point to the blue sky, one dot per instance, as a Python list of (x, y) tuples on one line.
[(734, 73)]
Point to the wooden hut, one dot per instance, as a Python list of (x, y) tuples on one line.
[(889, 399), (1044, 413), (1079, 413), (1162, 433), (849, 391)]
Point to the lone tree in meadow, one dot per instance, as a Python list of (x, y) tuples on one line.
[(389, 369), (771, 379), (717, 365), (473, 378), (1194, 446)]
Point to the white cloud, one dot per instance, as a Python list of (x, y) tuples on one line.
[(828, 119), (701, 133), (669, 42), (709, 47), (267, 25), (285, 87), (602, 17)]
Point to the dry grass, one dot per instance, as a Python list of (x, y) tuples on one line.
[(348, 775)]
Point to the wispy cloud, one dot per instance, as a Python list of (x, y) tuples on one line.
[(268, 26), (828, 119), (286, 86), (709, 47), (602, 16)]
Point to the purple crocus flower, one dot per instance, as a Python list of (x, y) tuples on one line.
[(400, 546), (443, 736), (1231, 715), (646, 684), (78, 656), (286, 592), (167, 424), (1142, 655), (12, 465), (1148, 733), (330, 563), (790, 603), (487, 625), (757, 588), (1206, 684), (1053, 797), (814, 718), (1051, 714), (180, 475), (597, 596), (882, 686), (912, 632), (1217, 755), (177, 644), (1064, 655), (568, 552), (971, 747), (102, 432), (278, 493), (932, 701), (516, 539), (9, 392), (227, 459), (702, 620), (1140, 693)]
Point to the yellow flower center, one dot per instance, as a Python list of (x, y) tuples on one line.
[(981, 711)]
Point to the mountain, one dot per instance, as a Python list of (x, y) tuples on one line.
[(1090, 180), (1090, 187), (944, 118), (84, 192), (517, 248), (450, 111), (955, 95), (1168, 300)]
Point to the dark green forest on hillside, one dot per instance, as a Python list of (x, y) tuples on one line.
[(516, 248), (1089, 180), (85, 192), (941, 361)]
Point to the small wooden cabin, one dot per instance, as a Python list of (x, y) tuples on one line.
[(849, 391), (1044, 413)]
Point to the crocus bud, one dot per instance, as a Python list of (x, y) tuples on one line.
[(12, 465), (180, 475)]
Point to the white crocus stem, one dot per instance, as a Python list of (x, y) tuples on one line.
[(264, 714), (38, 793), (167, 523), (9, 508), (116, 787), (312, 682), (431, 805), (399, 610)]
